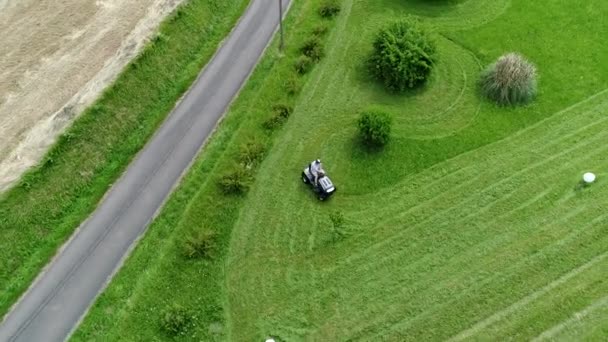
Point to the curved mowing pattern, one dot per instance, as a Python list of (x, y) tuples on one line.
[(463, 15), (394, 238), (478, 246), (447, 104)]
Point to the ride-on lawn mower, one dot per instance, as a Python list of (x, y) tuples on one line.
[(324, 187)]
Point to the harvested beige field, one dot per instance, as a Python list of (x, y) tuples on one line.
[(57, 57)]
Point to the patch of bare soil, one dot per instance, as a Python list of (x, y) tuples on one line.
[(56, 56)]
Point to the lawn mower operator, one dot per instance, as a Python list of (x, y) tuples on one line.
[(316, 168)]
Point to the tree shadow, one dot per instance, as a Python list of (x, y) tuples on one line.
[(581, 185), (364, 151), (378, 93)]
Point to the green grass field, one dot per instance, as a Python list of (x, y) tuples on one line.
[(469, 225), (43, 210)]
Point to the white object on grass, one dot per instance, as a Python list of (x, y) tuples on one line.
[(589, 177), (270, 340)]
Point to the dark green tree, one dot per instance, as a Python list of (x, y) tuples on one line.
[(374, 128), (403, 55)]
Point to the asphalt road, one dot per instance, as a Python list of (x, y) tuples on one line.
[(54, 304)]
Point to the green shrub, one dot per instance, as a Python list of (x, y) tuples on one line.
[(337, 226), (511, 80), (403, 55), (319, 30), (313, 49), (252, 152), (292, 85), (176, 320), (200, 244), (280, 114), (236, 181), (282, 110), (329, 8), (303, 64), (374, 128), (336, 218)]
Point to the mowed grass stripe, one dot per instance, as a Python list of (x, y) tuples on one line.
[(444, 206), (456, 311), (573, 149), (476, 205), (290, 296), (545, 151), (445, 302), (443, 263), (463, 238), (498, 217), (314, 86), (584, 215), (575, 295), (573, 324), (495, 189), (534, 296), (542, 145), (453, 87), (468, 14)]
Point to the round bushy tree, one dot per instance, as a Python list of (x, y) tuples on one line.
[(403, 55), (374, 128), (511, 80)]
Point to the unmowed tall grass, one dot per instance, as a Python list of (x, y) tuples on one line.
[(51, 200)]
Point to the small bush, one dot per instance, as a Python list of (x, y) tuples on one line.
[(511, 80), (374, 128), (329, 8), (303, 64), (200, 244), (282, 110), (337, 218), (273, 122), (292, 85), (403, 55), (319, 30), (280, 114), (337, 226), (313, 49), (252, 152), (236, 181), (176, 320)]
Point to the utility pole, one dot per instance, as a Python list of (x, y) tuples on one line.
[(282, 44)]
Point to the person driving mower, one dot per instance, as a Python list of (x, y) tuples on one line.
[(316, 169), (314, 175)]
